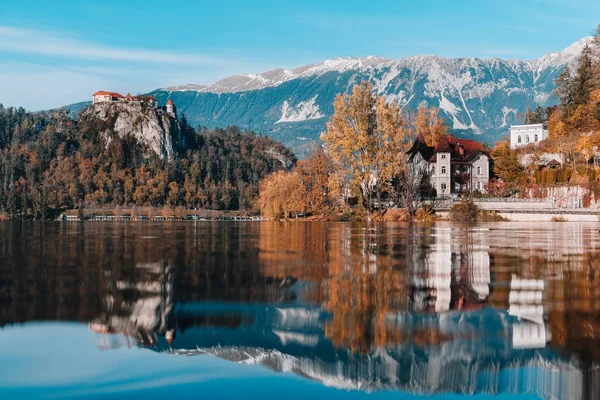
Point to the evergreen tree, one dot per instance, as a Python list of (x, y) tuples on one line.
[(584, 77)]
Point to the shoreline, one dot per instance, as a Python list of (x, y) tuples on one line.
[(541, 216), (168, 214)]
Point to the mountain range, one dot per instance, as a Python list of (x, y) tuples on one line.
[(479, 98)]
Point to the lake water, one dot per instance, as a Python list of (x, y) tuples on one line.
[(299, 310)]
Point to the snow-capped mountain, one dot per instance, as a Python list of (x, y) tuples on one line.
[(476, 96)]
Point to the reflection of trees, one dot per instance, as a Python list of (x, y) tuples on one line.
[(72, 271), (365, 280)]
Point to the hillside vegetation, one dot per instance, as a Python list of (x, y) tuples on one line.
[(50, 162), (574, 135)]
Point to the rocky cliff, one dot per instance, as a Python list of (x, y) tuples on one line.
[(152, 127)]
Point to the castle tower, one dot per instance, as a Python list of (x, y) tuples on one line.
[(170, 108)]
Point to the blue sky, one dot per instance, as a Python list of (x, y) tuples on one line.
[(59, 52)]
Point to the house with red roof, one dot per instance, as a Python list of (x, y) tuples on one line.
[(453, 166)]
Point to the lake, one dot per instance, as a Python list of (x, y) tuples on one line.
[(298, 310)]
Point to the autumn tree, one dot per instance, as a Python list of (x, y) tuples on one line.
[(430, 125), (281, 195), (506, 163), (315, 173), (365, 140)]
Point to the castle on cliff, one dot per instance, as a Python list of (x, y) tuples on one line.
[(114, 97)]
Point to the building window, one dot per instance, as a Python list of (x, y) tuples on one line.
[(433, 170), (536, 138), (478, 170), (443, 156), (443, 170), (519, 140), (443, 186), (527, 139)]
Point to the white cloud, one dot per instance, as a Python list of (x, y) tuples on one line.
[(31, 41)]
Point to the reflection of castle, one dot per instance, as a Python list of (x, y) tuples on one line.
[(140, 310)]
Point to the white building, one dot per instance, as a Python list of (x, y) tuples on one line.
[(522, 135)]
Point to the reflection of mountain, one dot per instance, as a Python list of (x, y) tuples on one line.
[(476, 354), (417, 308)]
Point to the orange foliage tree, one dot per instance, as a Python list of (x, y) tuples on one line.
[(366, 140), (430, 125)]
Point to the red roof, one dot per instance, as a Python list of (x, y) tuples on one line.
[(113, 94), (443, 145), (461, 150), (169, 101), (467, 144)]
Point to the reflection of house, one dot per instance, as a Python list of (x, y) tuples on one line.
[(451, 278), (453, 165), (525, 299)]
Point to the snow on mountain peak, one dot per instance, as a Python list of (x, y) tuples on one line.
[(429, 63), (564, 57)]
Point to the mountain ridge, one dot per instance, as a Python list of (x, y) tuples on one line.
[(274, 77), (479, 98)]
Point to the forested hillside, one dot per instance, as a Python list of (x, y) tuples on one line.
[(50, 162)]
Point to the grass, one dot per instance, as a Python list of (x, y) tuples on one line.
[(465, 211)]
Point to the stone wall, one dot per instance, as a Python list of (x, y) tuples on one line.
[(567, 196), (499, 205)]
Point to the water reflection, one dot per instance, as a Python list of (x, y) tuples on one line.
[(424, 309)]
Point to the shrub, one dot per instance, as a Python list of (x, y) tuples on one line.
[(427, 213), (558, 219), (465, 211)]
